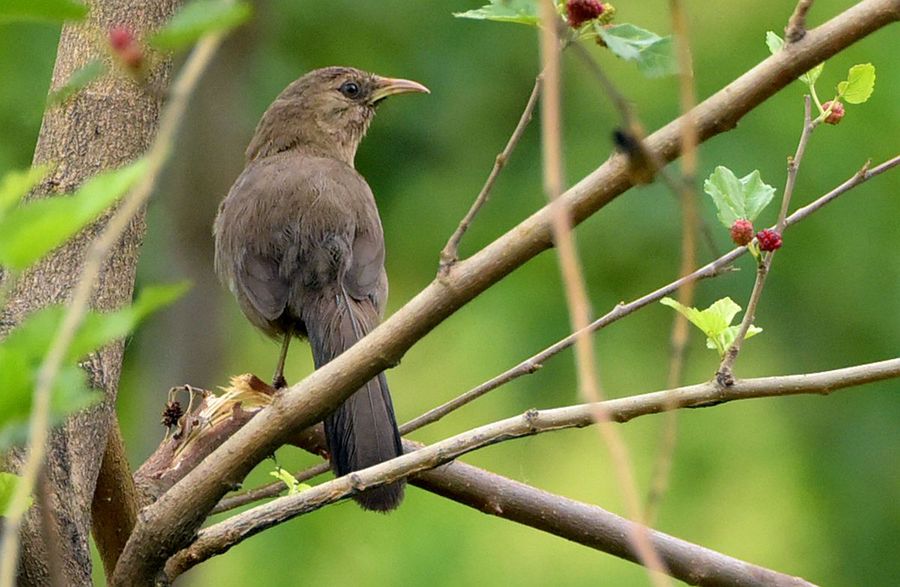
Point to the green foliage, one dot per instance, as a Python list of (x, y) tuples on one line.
[(15, 185), (23, 351), (653, 54), (77, 82), (516, 11), (293, 485), (737, 198), (35, 228), (42, 10), (715, 322), (197, 19), (8, 483), (859, 84)]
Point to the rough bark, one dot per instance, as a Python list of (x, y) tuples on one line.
[(108, 125)]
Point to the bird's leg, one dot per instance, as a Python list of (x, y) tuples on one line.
[(278, 380)]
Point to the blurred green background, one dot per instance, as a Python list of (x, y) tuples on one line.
[(805, 485)]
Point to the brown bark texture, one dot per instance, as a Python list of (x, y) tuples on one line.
[(105, 126)]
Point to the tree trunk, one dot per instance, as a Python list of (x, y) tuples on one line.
[(108, 125)]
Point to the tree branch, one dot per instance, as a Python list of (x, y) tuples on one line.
[(169, 524), (220, 537)]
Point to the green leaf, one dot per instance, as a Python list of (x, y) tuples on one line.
[(15, 185), (23, 351), (293, 485), (35, 228), (77, 82), (737, 198), (654, 54), (859, 85), (8, 483), (715, 321), (197, 19), (516, 11), (776, 44), (42, 10)]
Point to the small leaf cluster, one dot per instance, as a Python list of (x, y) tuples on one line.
[(856, 89), (738, 201), (653, 54), (714, 321)]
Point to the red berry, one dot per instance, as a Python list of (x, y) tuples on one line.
[(742, 232), (581, 11), (837, 111), (769, 240)]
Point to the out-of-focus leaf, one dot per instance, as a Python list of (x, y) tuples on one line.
[(737, 198), (77, 82), (23, 351), (516, 11), (653, 54), (198, 18), (774, 42), (859, 84), (8, 483), (32, 230), (42, 10), (15, 185)]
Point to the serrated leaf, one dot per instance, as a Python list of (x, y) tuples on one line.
[(653, 54), (8, 483), (197, 19), (859, 84), (77, 82), (15, 185), (737, 198), (515, 11), (714, 321), (774, 42), (35, 228), (42, 10)]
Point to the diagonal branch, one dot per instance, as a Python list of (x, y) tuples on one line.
[(169, 524)]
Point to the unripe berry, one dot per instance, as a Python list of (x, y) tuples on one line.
[(742, 232), (837, 111), (581, 11), (769, 240), (125, 46)]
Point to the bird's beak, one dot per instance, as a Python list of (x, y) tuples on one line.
[(388, 86)]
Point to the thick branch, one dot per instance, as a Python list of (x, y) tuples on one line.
[(169, 524)]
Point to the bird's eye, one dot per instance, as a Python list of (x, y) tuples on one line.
[(350, 89)]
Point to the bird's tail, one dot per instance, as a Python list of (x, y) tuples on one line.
[(363, 431)]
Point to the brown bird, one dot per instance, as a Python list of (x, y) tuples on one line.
[(300, 245)]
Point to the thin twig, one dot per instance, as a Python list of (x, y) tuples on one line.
[(712, 269), (576, 290), (796, 28), (724, 373), (450, 252), (218, 538), (78, 305)]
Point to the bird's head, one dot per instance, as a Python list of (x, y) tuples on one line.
[(326, 112)]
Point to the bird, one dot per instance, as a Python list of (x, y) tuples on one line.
[(300, 245)]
